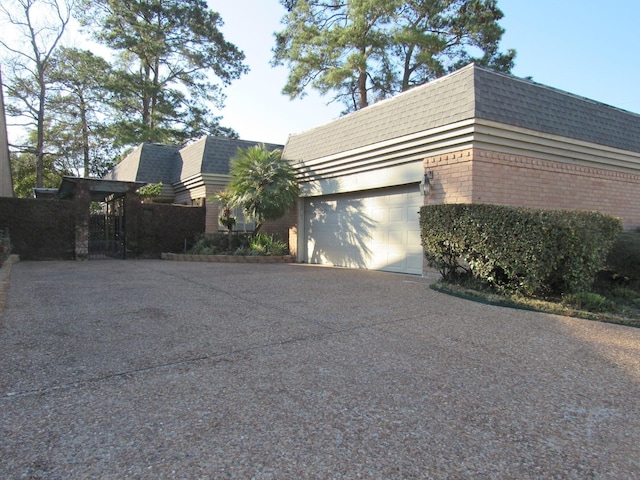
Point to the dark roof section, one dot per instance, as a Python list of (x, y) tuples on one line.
[(157, 163), (472, 92), (220, 150), (441, 102), (99, 189), (523, 103)]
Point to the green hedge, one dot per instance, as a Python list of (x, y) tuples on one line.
[(518, 249), (623, 260)]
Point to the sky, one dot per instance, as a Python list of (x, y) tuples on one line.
[(589, 48)]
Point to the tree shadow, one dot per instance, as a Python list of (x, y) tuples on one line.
[(338, 229)]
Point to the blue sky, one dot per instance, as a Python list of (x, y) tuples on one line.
[(588, 48)]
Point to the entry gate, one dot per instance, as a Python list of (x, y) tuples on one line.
[(107, 231)]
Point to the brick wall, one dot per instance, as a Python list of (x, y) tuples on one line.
[(481, 176), (452, 178), (280, 228), (155, 228), (40, 229)]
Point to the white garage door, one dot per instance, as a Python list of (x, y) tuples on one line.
[(376, 230)]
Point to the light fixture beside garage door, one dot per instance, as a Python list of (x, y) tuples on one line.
[(425, 184)]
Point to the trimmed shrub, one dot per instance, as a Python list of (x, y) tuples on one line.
[(518, 249)]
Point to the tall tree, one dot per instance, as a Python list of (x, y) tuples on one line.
[(39, 25), (23, 171), (367, 50), (173, 60), (79, 111)]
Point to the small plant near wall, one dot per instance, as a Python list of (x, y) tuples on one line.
[(263, 244), (150, 191), (5, 245), (226, 218)]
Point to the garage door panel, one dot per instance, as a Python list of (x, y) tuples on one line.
[(379, 215), (397, 214), (375, 230), (397, 238)]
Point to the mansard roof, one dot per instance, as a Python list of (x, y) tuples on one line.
[(473, 92)]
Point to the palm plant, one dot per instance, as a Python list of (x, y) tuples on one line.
[(263, 183), (226, 218)]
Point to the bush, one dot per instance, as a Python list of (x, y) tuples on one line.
[(264, 244), (517, 249), (5, 245), (623, 261), (242, 244), (591, 302), (217, 243)]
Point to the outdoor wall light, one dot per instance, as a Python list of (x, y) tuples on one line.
[(425, 184)]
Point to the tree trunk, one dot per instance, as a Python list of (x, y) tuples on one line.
[(40, 129), (85, 136), (362, 89)]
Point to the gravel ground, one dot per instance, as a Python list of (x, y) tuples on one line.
[(157, 369)]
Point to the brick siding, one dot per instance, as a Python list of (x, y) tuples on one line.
[(482, 176)]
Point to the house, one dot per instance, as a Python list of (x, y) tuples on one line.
[(6, 180), (190, 174), (474, 136)]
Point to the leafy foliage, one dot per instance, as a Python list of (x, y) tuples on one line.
[(263, 183), (623, 261), (263, 244), (589, 301), (517, 249), (40, 25), (366, 50), (77, 133), (226, 200), (150, 190), (23, 172), (169, 53), (5, 245)]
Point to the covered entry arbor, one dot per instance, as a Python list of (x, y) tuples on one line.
[(101, 208)]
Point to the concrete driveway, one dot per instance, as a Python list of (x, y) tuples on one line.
[(158, 369)]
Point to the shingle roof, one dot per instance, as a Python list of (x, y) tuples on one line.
[(523, 103), (157, 163), (212, 155), (472, 92), (219, 151), (443, 101)]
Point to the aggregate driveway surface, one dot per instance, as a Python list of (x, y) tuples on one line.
[(157, 369)]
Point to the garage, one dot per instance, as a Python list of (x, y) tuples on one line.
[(375, 229)]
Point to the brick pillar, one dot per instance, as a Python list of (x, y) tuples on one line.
[(82, 239)]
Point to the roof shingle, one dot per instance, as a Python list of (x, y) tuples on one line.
[(472, 92)]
